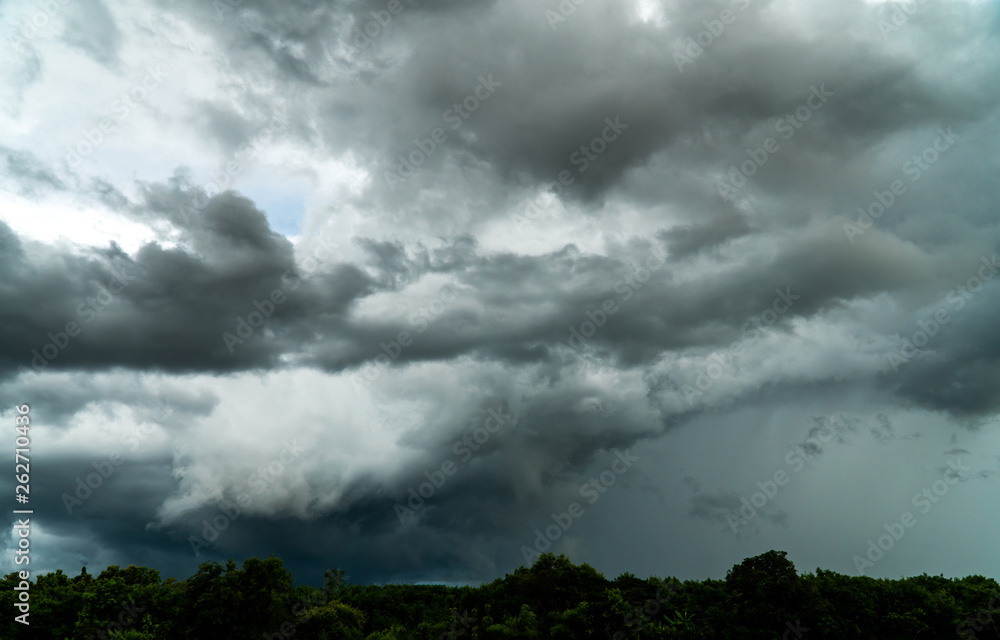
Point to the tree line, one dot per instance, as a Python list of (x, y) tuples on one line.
[(763, 597)]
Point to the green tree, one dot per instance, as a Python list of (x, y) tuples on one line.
[(522, 627), (130, 634), (766, 592), (331, 621)]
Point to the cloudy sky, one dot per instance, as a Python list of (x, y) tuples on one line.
[(393, 286)]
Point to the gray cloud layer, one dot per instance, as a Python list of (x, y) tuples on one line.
[(759, 299)]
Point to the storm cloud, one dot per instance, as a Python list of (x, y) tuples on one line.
[(384, 285)]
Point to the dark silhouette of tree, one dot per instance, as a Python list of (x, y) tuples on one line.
[(761, 597)]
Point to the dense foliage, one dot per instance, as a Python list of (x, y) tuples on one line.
[(762, 597)]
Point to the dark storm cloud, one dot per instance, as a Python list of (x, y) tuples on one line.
[(462, 533), (235, 259), (965, 351), (188, 299), (65, 395), (379, 556), (163, 308), (722, 508), (726, 259), (111, 516), (727, 225), (531, 128), (525, 463)]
